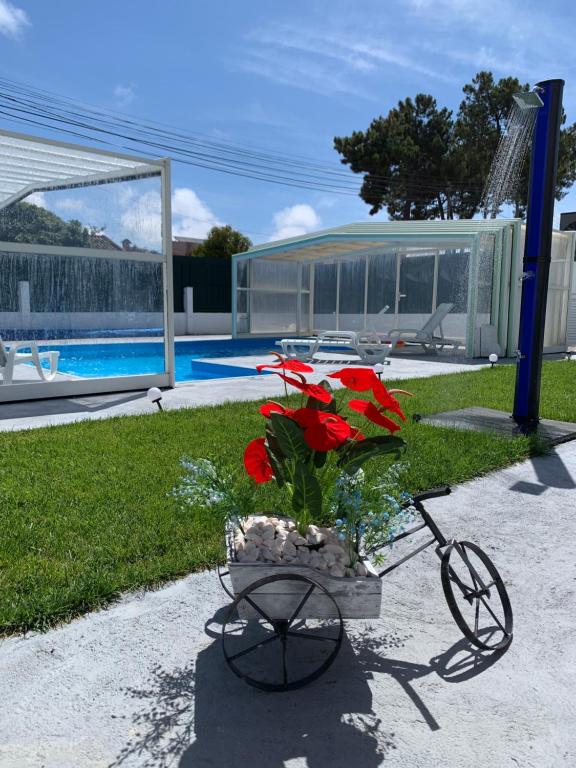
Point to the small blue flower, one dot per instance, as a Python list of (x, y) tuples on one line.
[(339, 522), (341, 536)]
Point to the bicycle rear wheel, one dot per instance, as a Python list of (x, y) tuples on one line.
[(269, 639)]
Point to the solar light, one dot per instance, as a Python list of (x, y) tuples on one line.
[(155, 395), (493, 359), (379, 370)]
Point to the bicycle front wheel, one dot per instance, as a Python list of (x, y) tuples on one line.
[(476, 596)]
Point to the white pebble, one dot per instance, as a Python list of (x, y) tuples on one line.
[(267, 532), (289, 549), (303, 555)]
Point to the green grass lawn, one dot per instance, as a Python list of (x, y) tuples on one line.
[(85, 512)]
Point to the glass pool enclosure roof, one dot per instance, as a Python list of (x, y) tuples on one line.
[(360, 236)]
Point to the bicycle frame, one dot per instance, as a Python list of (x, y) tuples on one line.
[(440, 540)]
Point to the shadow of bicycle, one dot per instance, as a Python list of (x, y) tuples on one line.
[(202, 715)]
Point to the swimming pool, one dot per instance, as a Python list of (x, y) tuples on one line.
[(134, 358)]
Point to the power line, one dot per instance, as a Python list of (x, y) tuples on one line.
[(25, 104)]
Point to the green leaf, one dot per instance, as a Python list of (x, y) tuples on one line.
[(290, 437), (320, 458), (273, 445), (307, 491), (355, 455), (318, 405), (278, 469)]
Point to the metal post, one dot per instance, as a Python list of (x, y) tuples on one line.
[(189, 310), (537, 250), (24, 302), (167, 272)]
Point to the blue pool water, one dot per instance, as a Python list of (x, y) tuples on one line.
[(133, 358)]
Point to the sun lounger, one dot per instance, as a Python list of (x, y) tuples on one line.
[(425, 336), (365, 345), (10, 357)]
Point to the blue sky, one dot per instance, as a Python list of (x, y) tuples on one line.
[(284, 77)]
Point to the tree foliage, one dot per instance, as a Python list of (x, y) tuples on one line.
[(28, 223), (400, 155), (222, 243), (419, 162)]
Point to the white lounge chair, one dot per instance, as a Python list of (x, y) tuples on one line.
[(10, 357), (366, 345), (426, 335)]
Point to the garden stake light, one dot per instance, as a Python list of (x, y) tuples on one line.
[(155, 396)]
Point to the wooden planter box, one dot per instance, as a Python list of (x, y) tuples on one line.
[(358, 597)]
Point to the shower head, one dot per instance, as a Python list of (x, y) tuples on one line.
[(528, 99)]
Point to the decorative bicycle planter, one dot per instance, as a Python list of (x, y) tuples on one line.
[(285, 625)]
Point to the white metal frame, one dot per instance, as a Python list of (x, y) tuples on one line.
[(134, 168)]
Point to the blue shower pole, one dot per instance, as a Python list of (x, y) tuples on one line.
[(537, 253)]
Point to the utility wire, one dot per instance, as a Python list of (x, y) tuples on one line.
[(25, 104)]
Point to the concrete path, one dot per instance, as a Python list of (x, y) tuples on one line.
[(41, 413), (144, 683)]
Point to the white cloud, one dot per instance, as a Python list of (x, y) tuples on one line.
[(295, 220), (37, 198), (70, 204), (190, 216), (142, 222), (331, 61), (519, 44), (304, 73), (124, 94), (13, 21)]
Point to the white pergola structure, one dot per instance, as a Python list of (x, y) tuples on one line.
[(30, 165)]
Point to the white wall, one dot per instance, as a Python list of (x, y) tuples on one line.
[(199, 323), (88, 321), (571, 328), (203, 323)]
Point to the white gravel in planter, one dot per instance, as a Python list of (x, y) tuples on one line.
[(277, 540)]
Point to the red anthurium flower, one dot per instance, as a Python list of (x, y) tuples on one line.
[(289, 365), (306, 417), (312, 390), (355, 434), (322, 431), (269, 408), (373, 414), (356, 379), (327, 434), (387, 400), (256, 461)]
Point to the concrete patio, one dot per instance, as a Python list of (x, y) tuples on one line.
[(62, 410), (144, 683)]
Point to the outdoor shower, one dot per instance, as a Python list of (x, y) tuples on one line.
[(546, 100)]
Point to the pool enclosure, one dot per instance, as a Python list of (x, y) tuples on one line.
[(85, 263), (384, 275)]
